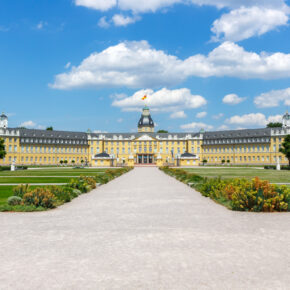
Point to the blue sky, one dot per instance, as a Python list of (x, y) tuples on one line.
[(79, 64)]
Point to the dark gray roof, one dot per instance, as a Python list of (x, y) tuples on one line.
[(246, 133), (186, 154), (3, 116), (34, 133), (142, 122), (101, 155)]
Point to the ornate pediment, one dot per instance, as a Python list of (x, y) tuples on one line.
[(145, 137)]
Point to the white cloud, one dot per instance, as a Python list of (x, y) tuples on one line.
[(68, 65), (178, 115), (223, 127), (31, 124), (28, 124), (102, 5), (137, 65), (218, 116), (247, 22), (154, 5), (275, 119), (121, 20), (103, 22), (254, 119), (163, 100), (120, 120), (201, 115), (196, 126), (232, 99), (41, 25), (273, 98)]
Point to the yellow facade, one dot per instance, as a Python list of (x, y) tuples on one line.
[(240, 147)]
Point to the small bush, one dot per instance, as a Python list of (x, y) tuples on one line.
[(77, 192), (21, 189), (14, 200), (39, 197), (5, 168)]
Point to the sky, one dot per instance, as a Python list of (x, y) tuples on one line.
[(86, 64)]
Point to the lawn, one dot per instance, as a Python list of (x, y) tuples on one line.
[(61, 175), (273, 176), (53, 172), (27, 179), (6, 191)]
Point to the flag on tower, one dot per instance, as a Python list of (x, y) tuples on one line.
[(144, 98)]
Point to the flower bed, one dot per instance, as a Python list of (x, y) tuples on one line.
[(238, 194), (48, 197)]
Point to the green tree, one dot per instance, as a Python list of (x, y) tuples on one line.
[(61, 162), (2, 149), (49, 128), (162, 131), (285, 148), (65, 162), (274, 125), (204, 161), (223, 161)]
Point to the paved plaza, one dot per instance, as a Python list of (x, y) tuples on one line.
[(144, 230)]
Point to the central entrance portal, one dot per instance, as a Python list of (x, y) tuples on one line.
[(145, 159)]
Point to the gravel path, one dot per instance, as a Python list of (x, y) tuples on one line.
[(144, 230)]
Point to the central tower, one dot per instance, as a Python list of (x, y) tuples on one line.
[(146, 123)]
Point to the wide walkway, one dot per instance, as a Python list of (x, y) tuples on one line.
[(144, 230)]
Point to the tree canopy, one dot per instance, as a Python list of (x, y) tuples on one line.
[(49, 128), (162, 131), (274, 125), (2, 149), (285, 148)]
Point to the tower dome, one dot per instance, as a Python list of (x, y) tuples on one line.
[(145, 123), (286, 120), (3, 121)]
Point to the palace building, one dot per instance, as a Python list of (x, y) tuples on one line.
[(240, 147)]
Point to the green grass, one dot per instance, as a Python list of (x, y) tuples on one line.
[(53, 172), (273, 176), (5, 192), (30, 180)]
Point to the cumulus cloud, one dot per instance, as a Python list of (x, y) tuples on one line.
[(163, 100), (247, 22), (218, 116), (41, 25), (137, 64), (196, 126), (178, 115), (121, 20), (232, 99), (31, 124), (273, 98), (201, 115), (103, 22), (154, 5), (254, 119), (223, 127), (102, 5)]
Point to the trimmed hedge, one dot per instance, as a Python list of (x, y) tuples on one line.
[(283, 167)]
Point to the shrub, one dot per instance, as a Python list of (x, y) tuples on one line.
[(39, 197), (14, 200), (21, 189), (76, 192), (62, 193), (5, 168)]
